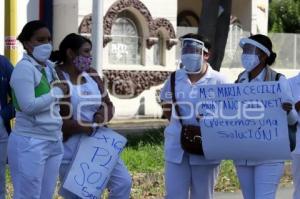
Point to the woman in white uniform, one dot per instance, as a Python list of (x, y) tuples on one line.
[(35, 146), (188, 175), (260, 179), (74, 59), (295, 86)]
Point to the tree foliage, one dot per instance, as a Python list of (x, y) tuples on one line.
[(284, 16)]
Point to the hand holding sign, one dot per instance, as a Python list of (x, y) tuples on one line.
[(245, 121), (96, 157)]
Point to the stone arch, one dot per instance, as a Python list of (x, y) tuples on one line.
[(166, 25), (134, 6), (142, 14)]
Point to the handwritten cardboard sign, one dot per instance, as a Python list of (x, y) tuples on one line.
[(96, 157), (244, 122)]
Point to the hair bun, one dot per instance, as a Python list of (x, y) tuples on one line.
[(272, 58)]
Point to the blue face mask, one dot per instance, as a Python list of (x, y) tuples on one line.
[(250, 61), (192, 62), (42, 52)]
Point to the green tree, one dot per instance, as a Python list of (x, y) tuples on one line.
[(284, 16)]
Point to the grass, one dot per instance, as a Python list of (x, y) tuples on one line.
[(143, 157), (144, 154)]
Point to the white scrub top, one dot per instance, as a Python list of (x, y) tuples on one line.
[(85, 99), (186, 92)]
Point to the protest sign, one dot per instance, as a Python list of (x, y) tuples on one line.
[(96, 157), (244, 121)]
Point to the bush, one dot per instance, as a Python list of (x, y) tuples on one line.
[(284, 16)]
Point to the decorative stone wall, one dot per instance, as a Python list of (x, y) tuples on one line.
[(129, 84), (154, 25), (126, 84)]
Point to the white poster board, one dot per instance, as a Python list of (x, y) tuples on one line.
[(96, 157), (244, 122)]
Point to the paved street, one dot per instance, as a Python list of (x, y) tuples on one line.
[(283, 193)]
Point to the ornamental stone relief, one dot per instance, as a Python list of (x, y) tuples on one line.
[(154, 25), (126, 84)]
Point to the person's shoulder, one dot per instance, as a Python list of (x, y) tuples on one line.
[(23, 68), (23, 64), (295, 78), (3, 58), (180, 73), (276, 75), (216, 74), (220, 77), (4, 61)]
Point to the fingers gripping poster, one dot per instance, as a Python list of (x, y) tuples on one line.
[(244, 121), (96, 157)]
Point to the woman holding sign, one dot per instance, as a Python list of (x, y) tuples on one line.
[(187, 173), (35, 146), (87, 108), (259, 179), (294, 83)]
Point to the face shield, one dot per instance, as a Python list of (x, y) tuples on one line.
[(251, 51), (192, 55), (251, 46)]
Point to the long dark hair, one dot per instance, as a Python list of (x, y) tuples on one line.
[(71, 41)]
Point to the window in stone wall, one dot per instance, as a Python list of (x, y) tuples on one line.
[(125, 47)]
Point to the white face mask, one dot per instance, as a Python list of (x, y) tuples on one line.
[(42, 52), (192, 62), (250, 61)]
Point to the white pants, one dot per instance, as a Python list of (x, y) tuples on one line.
[(34, 166), (260, 181), (3, 156), (119, 184), (296, 175), (183, 179)]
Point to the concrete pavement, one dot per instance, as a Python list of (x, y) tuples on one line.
[(282, 193), (136, 126)]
